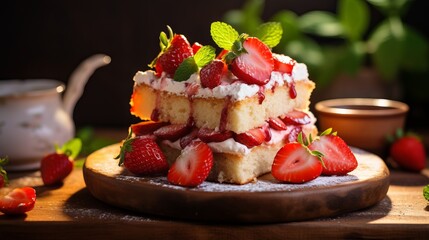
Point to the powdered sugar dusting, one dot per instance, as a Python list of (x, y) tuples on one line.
[(369, 165)]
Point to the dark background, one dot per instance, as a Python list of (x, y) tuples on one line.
[(48, 39)]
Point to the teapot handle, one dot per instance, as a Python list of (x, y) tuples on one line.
[(79, 78)]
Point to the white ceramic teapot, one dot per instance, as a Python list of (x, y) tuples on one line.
[(34, 118)]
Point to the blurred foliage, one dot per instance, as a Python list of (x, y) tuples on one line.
[(342, 42), (90, 142)]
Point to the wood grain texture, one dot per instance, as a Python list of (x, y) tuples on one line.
[(69, 211), (265, 201)]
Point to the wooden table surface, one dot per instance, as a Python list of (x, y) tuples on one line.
[(69, 211)]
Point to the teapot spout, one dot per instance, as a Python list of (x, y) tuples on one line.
[(79, 78)]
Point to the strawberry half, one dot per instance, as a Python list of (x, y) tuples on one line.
[(178, 50), (146, 127), (283, 63), (193, 165), (294, 163), (211, 74), (18, 201), (55, 167), (255, 64), (409, 153), (337, 156), (142, 156)]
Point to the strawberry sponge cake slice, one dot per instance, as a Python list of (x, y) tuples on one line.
[(244, 103)]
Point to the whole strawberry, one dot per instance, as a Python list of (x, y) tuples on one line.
[(55, 167), (141, 155), (408, 152), (174, 50), (3, 174)]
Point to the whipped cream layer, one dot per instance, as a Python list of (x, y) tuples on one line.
[(230, 86)]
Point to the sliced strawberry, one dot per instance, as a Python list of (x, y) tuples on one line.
[(296, 117), (293, 134), (222, 54), (172, 132), (55, 167), (211, 74), (338, 158), (255, 65), (295, 164), (185, 140), (277, 124), (179, 50), (196, 46), (146, 127), (283, 63), (18, 201), (142, 156), (193, 165), (252, 138), (209, 135)]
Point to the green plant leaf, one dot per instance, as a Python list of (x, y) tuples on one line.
[(387, 58), (320, 23), (391, 7), (71, 148), (186, 69), (415, 54), (289, 22), (352, 57), (223, 34), (354, 18), (205, 55), (269, 33)]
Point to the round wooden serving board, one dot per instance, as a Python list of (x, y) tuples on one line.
[(263, 201)]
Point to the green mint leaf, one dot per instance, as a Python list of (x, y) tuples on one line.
[(326, 132), (270, 33), (426, 192), (205, 55), (186, 69), (71, 148), (223, 34)]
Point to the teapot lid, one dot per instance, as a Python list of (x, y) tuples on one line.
[(30, 87)]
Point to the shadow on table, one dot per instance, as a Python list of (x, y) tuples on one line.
[(405, 178), (83, 206)]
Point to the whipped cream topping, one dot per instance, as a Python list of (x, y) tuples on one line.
[(230, 86)]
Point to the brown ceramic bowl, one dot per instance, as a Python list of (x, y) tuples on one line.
[(362, 122)]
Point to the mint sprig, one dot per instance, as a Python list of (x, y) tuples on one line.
[(426, 192), (3, 162), (71, 148), (223, 34), (270, 33), (191, 65), (164, 43)]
